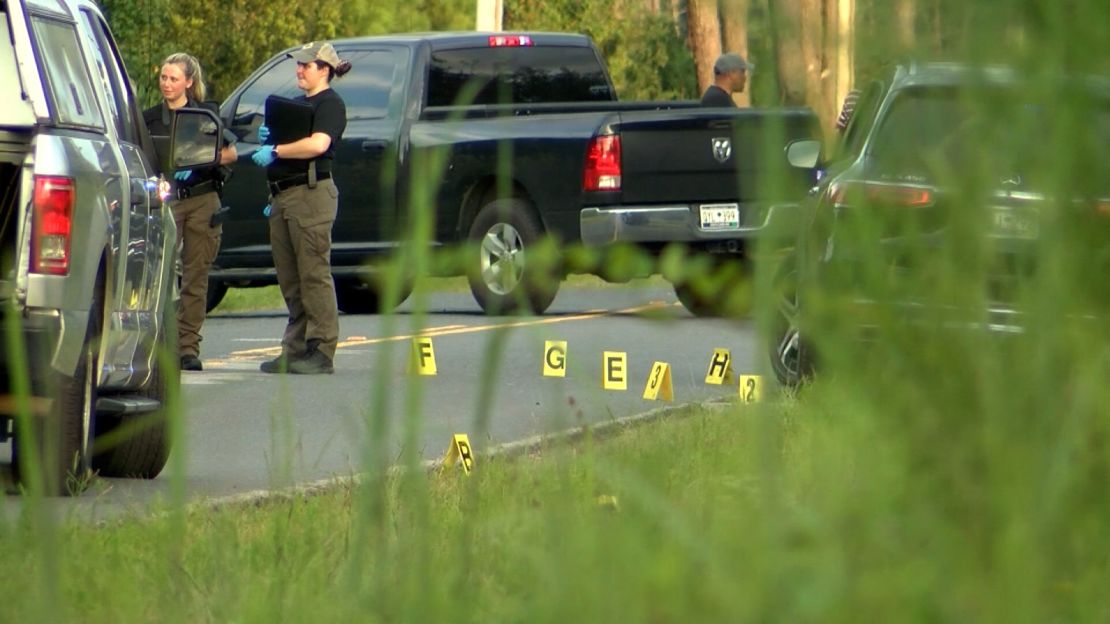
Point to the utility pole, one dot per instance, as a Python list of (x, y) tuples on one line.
[(489, 15)]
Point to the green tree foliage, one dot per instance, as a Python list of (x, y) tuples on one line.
[(233, 37), (644, 49)]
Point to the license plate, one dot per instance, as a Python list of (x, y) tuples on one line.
[(1012, 224), (717, 217)]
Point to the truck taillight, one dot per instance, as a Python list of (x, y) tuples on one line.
[(509, 41), (603, 164), (880, 194), (52, 225)]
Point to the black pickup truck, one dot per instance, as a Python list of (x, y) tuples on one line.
[(584, 167)]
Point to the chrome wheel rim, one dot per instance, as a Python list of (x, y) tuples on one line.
[(788, 350), (502, 259)]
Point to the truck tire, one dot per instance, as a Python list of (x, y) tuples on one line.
[(502, 280), (355, 296), (144, 451), (217, 290), (64, 437)]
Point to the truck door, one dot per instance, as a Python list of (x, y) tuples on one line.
[(366, 160), (143, 247)]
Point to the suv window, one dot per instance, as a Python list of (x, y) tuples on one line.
[(862, 119), (115, 84), (523, 75), (365, 90), (71, 87)]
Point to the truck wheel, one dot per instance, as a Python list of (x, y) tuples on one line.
[(63, 438), (139, 444), (502, 280), (217, 290), (355, 296)]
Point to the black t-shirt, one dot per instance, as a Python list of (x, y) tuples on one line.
[(159, 123), (716, 97), (329, 115)]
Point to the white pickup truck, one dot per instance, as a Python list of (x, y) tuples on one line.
[(87, 252)]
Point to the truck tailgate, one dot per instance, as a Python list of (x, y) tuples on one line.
[(711, 155)]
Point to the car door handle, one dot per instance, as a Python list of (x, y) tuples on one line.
[(374, 146)]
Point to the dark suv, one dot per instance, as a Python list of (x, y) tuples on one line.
[(944, 170)]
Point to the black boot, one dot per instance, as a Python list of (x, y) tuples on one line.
[(313, 363)]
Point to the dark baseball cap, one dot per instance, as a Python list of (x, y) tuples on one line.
[(316, 51), (731, 62)]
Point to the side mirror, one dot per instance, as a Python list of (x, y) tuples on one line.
[(195, 139), (804, 154)]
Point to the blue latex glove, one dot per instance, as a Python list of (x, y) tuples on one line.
[(181, 176), (263, 134), (266, 211), (264, 156)]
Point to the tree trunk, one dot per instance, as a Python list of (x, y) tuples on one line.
[(734, 25), (791, 67), (842, 22), (705, 38), (905, 16)]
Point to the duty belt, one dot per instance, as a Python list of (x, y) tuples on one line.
[(185, 192), (298, 180)]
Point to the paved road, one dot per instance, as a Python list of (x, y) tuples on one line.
[(247, 430)]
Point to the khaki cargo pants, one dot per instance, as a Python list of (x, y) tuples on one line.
[(300, 235), (198, 243)]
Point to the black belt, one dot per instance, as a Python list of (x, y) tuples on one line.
[(298, 180), (200, 188)]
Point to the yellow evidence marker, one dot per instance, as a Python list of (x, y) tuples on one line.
[(720, 368), (614, 370), (555, 358), (423, 361), (459, 450), (659, 384), (751, 388)]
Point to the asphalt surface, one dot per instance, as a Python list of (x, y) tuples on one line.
[(246, 430)]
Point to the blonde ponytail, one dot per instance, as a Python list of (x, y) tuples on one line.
[(190, 66)]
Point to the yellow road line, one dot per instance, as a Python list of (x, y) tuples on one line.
[(454, 330)]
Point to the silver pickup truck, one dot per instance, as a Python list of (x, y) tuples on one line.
[(87, 252)]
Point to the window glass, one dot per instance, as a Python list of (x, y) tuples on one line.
[(108, 73), (63, 65), (367, 87), (280, 79), (516, 75)]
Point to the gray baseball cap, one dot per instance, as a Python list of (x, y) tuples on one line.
[(730, 62), (316, 51)]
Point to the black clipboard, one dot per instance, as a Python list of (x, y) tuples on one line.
[(288, 120)]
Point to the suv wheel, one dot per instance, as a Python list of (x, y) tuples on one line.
[(791, 358)]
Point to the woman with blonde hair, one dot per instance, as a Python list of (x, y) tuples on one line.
[(195, 199)]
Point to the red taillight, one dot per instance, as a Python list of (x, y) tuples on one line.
[(52, 226), (603, 164), (875, 194), (509, 41)]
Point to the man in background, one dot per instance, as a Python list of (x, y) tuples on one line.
[(730, 75)]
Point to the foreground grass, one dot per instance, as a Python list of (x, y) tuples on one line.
[(790, 512)]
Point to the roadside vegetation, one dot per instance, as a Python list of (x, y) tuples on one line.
[(929, 471)]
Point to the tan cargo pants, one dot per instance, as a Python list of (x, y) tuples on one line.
[(300, 236), (198, 243)]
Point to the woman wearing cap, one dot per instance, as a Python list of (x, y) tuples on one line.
[(195, 200), (303, 203)]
